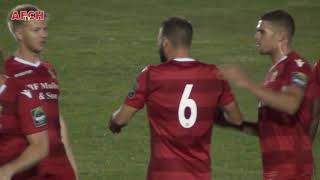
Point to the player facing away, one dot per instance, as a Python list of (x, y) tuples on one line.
[(284, 115), (30, 71), (181, 95), (23, 132)]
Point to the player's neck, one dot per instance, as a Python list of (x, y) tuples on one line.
[(280, 53), (180, 53), (27, 55)]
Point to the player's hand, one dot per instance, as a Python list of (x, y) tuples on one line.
[(5, 174), (114, 127), (235, 74)]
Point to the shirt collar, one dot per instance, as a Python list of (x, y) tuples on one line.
[(278, 62), (23, 61), (187, 59)]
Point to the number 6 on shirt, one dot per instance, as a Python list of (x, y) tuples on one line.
[(186, 102)]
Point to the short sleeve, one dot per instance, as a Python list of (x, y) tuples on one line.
[(31, 115), (137, 96), (226, 96)]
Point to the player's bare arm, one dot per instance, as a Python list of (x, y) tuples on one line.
[(233, 114), (315, 119), (120, 118), (66, 142), (37, 150), (248, 127), (287, 100)]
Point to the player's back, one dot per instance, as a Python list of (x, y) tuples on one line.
[(182, 98)]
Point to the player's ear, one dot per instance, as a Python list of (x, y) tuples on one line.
[(282, 36), (166, 42)]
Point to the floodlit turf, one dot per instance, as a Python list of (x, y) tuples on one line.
[(99, 46)]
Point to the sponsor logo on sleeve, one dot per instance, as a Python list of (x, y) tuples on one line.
[(135, 86), (39, 117), (132, 93), (299, 78)]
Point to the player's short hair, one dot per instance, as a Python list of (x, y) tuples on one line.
[(281, 19), (14, 24), (178, 30)]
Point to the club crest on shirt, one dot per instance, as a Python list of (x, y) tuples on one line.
[(39, 117)]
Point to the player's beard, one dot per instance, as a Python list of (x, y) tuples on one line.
[(162, 55)]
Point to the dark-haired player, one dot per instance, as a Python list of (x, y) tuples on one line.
[(284, 111), (182, 96)]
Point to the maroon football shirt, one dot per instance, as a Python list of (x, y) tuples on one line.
[(284, 139), (40, 78), (181, 97), (21, 115)]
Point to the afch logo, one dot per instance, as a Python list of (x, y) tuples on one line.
[(27, 15)]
